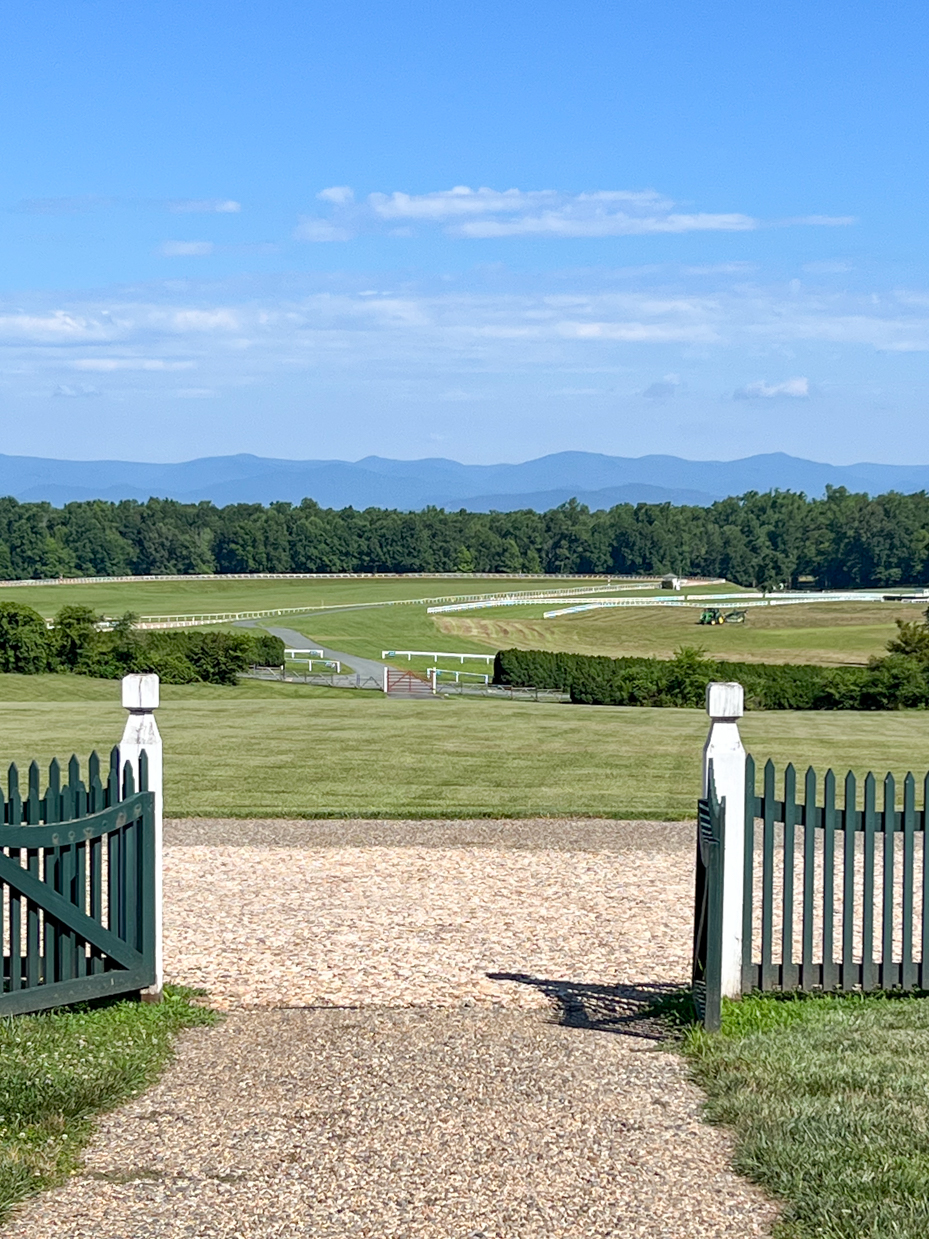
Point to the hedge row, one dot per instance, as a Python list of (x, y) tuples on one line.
[(895, 682), (179, 656)]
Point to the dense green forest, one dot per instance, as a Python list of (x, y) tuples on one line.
[(764, 540)]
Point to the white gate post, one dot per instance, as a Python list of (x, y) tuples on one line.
[(725, 704), (141, 699)]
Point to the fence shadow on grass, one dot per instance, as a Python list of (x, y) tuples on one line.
[(649, 1011)]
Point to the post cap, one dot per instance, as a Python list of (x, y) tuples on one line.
[(725, 700), (140, 692)]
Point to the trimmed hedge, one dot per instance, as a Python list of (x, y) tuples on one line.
[(179, 656), (895, 682)]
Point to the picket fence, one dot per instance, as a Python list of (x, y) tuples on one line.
[(830, 880)]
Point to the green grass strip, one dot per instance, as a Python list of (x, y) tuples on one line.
[(61, 1068), (828, 1098)]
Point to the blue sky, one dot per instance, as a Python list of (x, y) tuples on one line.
[(483, 231)]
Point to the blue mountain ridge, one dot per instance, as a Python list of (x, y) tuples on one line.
[(596, 480)]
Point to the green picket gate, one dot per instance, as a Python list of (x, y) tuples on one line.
[(77, 880)]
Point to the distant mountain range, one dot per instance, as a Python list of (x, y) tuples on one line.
[(597, 481)]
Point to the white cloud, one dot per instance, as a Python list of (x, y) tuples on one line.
[(490, 213), (106, 365), (195, 393), (796, 389), (339, 194), (187, 249), (227, 335), (57, 326), (208, 206)]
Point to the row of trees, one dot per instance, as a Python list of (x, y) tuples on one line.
[(82, 642), (757, 539)]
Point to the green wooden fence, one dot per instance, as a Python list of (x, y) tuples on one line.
[(836, 895), (77, 880)]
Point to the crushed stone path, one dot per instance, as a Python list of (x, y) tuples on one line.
[(439, 1035)]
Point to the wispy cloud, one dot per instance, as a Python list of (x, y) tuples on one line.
[(794, 389), (232, 334), (204, 206), (74, 393), (107, 365), (187, 249), (489, 213)]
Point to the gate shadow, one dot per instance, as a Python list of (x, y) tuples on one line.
[(649, 1011)]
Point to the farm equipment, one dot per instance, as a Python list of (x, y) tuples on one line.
[(715, 615)]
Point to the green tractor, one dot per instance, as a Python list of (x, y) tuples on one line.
[(716, 615)]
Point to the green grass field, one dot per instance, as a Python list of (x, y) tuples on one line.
[(194, 596), (826, 633), (289, 750)]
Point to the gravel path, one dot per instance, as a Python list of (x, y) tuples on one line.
[(434, 1031)]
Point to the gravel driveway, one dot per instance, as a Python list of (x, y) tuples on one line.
[(433, 1031)]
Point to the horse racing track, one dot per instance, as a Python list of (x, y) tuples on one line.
[(432, 1029)]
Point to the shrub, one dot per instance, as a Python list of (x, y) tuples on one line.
[(267, 650), (899, 681), (75, 630), (217, 657), (25, 643)]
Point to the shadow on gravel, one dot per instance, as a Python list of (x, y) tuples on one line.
[(653, 1012)]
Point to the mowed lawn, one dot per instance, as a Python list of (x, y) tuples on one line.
[(196, 596), (824, 633), (270, 750)]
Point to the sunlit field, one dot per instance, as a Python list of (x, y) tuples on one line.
[(288, 750)]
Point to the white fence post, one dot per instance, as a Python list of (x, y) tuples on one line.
[(725, 704), (141, 699)]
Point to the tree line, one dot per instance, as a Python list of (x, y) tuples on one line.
[(83, 642), (763, 540)]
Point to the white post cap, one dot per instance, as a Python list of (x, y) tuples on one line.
[(723, 700), (140, 692)]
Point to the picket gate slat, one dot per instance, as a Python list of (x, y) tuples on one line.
[(908, 975), (769, 972), (830, 972), (868, 969), (808, 972), (849, 971), (789, 971), (888, 969), (748, 870)]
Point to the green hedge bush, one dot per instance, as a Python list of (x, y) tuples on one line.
[(896, 682)]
